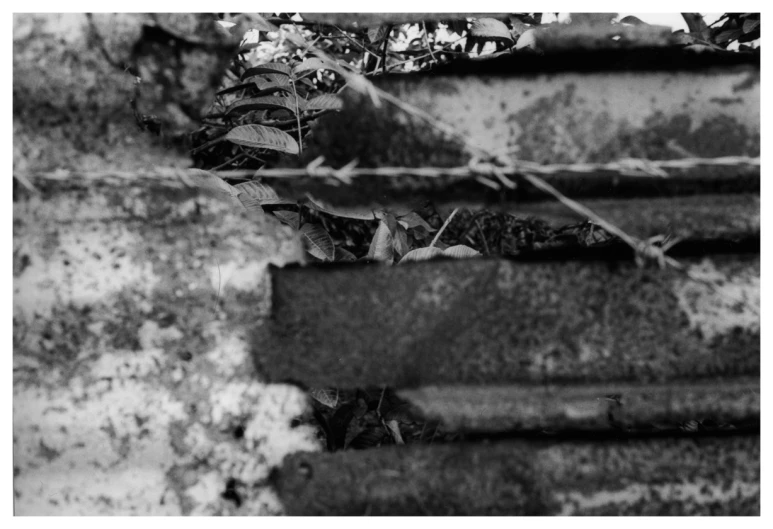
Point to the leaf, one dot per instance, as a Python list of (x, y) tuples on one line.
[(490, 28), (319, 242), (269, 67), (527, 40), (368, 438), (338, 211), (460, 251), (265, 103), (313, 64), (260, 137), (327, 397), (394, 430), (291, 218), (255, 82), (262, 193), (381, 245), (727, 36), (325, 102), (421, 254), (750, 25), (297, 39), (518, 26), (400, 240), (413, 220), (211, 182), (342, 255), (261, 24), (634, 21)]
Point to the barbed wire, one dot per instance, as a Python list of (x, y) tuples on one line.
[(634, 168)]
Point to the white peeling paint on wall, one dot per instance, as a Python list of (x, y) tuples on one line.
[(699, 493), (123, 437), (82, 267), (716, 303)]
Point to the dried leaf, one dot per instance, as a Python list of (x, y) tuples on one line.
[(325, 102), (327, 397), (262, 193), (211, 182), (421, 254), (413, 220), (527, 40), (260, 137), (344, 256), (368, 438), (339, 211), (394, 430), (400, 240), (381, 245), (319, 243), (460, 251), (490, 28), (291, 218)]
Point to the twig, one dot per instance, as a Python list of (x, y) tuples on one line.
[(443, 227), (426, 36), (229, 162), (387, 33), (482, 236)]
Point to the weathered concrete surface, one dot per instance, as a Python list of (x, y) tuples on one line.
[(714, 216), (71, 107), (488, 321), (407, 186), (133, 387), (590, 407), (683, 476), (551, 118)]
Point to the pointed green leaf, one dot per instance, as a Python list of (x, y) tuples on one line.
[(635, 21), (319, 243), (460, 251), (325, 102), (750, 25), (260, 137), (381, 245), (269, 67), (266, 103), (313, 64), (490, 28), (255, 82), (421, 254)]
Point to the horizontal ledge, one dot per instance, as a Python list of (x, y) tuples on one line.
[(621, 407), (499, 321), (632, 477)]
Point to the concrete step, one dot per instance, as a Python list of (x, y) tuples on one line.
[(555, 319), (664, 476)]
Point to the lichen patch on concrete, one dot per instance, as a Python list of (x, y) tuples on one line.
[(716, 302), (695, 493)]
